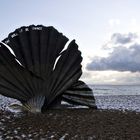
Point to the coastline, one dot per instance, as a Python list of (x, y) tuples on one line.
[(117, 102)]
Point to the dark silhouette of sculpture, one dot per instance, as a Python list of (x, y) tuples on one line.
[(40, 74)]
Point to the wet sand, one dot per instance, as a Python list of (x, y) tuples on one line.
[(71, 124)]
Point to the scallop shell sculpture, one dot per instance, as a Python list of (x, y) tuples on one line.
[(36, 69)]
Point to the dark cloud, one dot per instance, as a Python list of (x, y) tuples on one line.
[(121, 58)]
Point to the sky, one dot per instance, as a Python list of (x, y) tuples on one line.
[(106, 31)]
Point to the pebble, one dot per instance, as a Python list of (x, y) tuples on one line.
[(15, 131), (29, 135), (23, 135)]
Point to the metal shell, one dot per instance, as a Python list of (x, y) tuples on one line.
[(32, 75)]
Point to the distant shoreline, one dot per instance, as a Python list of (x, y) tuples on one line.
[(113, 85)]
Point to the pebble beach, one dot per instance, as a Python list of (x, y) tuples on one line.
[(117, 117)]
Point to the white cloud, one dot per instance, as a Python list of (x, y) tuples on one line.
[(114, 22), (133, 22)]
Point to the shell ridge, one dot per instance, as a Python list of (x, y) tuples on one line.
[(62, 63), (79, 96), (13, 67)]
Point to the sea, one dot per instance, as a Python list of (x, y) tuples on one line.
[(115, 90), (118, 97)]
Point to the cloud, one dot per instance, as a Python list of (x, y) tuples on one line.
[(118, 38), (112, 77), (113, 22), (121, 58)]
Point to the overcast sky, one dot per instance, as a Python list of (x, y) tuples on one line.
[(107, 32)]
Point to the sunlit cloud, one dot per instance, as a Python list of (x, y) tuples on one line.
[(111, 77)]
